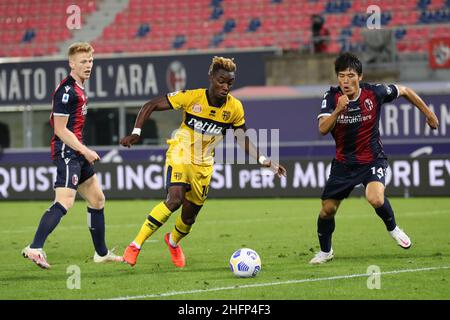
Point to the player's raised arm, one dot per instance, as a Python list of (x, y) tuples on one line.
[(156, 104), (249, 148), (414, 98)]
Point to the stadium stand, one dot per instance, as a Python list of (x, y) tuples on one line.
[(35, 28)]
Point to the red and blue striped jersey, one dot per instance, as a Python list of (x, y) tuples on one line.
[(356, 132), (69, 100)]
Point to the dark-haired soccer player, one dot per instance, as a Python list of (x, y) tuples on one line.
[(351, 113), (74, 161), (207, 113)]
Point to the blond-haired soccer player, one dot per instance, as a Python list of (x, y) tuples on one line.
[(74, 161), (207, 114)]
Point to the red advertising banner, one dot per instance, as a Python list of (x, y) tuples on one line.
[(439, 53)]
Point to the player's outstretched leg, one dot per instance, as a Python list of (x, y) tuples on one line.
[(401, 238), (48, 223), (386, 213), (37, 255), (157, 217)]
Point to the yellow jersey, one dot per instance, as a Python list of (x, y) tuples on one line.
[(203, 125)]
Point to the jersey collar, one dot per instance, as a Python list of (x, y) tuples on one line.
[(210, 103)]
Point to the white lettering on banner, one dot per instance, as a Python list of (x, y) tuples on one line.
[(40, 85), (311, 177), (136, 81), (120, 180), (417, 126), (391, 119), (151, 85), (436, 172), (402, 169), (26, 82), (10, 88), (402, 173), (105, 180), (304, 178), (134, 178), (121, 82), (151, 177), (98, 83), (405, 109), (60, 75), (222, 177), (136, 87), (257, 179), (14, 86), (22, 179), (19, 183)]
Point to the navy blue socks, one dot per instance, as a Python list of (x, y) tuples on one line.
[(386, 213), (96, 224), (325, 229), (48, 223)]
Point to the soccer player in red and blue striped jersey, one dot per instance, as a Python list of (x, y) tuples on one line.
[(351, 113), (73, 160)]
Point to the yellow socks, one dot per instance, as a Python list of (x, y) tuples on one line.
[(157, 217), (180, 230)]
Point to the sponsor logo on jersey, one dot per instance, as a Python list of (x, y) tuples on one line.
[(178, 175), (74, 179), (205, 126), (226, 115), (65, 98), (368, 104), (196, 108), (84, 109)]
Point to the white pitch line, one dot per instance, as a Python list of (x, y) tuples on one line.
[(175, 293)]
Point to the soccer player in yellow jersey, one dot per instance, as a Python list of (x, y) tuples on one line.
[(207, 114)]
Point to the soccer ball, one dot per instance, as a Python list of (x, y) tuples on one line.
[(245, 263)]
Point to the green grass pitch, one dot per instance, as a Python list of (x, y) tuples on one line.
[(282, 231)]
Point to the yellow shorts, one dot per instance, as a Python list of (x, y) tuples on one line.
[(196, 179)]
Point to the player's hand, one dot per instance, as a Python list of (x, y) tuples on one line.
[(128, 141), (433, 121), (276, 168), (342, 103), (90, 155)]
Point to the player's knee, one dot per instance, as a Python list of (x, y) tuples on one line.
[(188, 220), (174, 202), (375, 200), (98, 202), (67, 203), (328, 210)]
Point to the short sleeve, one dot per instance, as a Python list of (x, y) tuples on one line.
[(62, 102), (239, 120), (179, 99), (327, 107), (387, 93)]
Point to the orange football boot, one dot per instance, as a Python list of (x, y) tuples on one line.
[(130, 255), (176, 253)]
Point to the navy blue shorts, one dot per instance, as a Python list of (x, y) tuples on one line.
[(344, 178), (70, 173)]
